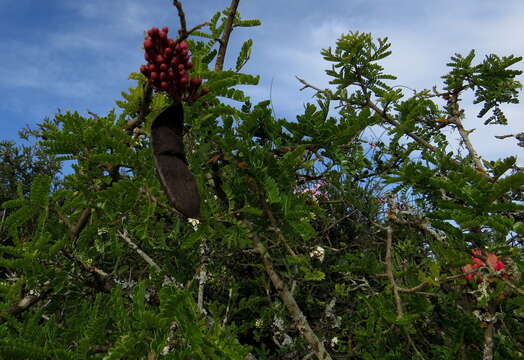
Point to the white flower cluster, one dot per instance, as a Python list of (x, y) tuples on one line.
[(318, 253)]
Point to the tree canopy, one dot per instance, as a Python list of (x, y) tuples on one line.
[(311, 239)]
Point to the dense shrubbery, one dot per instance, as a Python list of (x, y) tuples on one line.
[(312, 240)]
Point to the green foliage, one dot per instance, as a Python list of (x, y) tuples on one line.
[(369, 235)]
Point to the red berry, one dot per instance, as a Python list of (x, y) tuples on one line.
[(148, 44), (183, 80), (168, 52), (153, 31), (175, 61), (159, 59), (184, 52), (184, 45), (189, 65), (180, 67), (165, 29), (163, 75), (170, 74), (153, 75), (143, 69), (151, 67), (196, 82), (186, 58), (204, 91), (146, 56), (163, 67), (161, 34), (164, 85), (171, 43)]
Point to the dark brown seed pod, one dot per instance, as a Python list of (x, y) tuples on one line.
[(170, 161)]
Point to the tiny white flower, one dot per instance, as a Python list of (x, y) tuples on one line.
[(194, 222), (334, 341)]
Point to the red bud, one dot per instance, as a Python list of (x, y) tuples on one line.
[(499, 265)]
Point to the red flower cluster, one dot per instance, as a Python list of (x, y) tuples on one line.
[(493, 261), (168, 65)]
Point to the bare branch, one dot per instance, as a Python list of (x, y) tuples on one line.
[(182, 17), (228, 28)]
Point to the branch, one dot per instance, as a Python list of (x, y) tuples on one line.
[(272, 219), (202, 277), (144, 108), (24, 304), (456, 115), (518, 136), (140, 252), (391, 277), (75, 231), (182, 17), (290, 302), (228, 28)]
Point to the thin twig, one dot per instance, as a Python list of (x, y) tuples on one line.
[(147, 91), (2, 221), (224, 322)]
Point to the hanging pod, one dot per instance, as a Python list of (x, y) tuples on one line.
[(167, 133)]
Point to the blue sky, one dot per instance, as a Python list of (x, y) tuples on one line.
[(77, 55)]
